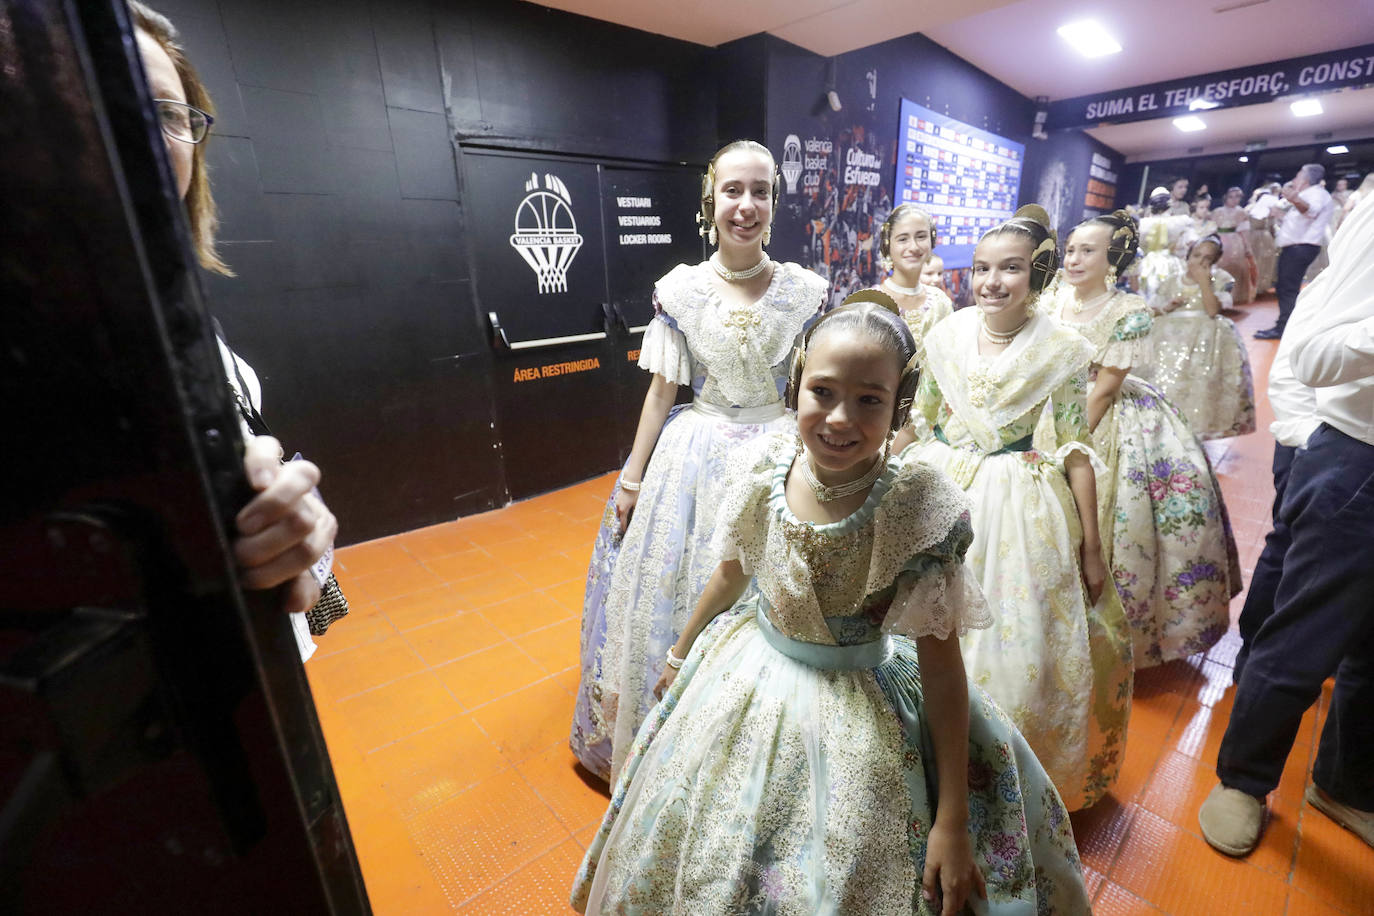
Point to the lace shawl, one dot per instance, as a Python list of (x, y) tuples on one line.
[(990, 395), (908, 539), (739, 346), (1120, 331)]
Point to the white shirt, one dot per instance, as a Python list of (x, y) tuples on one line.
[(1308, 228), (1295, 404), (1334, 352), (300, 626)]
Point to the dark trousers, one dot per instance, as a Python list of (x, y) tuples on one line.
[(1293, 263), (1264, 581), (1322, 624)]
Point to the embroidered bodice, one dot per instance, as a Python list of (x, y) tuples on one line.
[(1222, 283), (732, 355), (895, 565), (1229, 219), (1119, 331), (1037, 386)]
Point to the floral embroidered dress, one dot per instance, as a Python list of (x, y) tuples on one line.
[(1003, 426), (640, 590), (789, 769), (1200, 362), (1160, 511), (921, 315), (1236, 257)]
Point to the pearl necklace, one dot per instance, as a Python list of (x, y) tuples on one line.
[(825, 494), (998, 337), (904, 290), (730, 276), (1081, 307)]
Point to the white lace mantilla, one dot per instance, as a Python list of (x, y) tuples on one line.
[(738, 347), (900, 537), (990, 394)]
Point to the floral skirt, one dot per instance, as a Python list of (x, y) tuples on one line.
[(1060, 667), (1202, 367), (642, 588), (1164, 527), (763, 785)]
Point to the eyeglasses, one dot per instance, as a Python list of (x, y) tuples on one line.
[(181, 121)]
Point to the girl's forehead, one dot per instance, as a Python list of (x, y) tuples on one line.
[(1003, 245), (910, 222)]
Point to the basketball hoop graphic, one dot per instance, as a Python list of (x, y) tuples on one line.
[(546, 233), (791, 162)]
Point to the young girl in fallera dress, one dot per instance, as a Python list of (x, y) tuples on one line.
[(905, 242), (726, 327), (1200, 361), (1004, 392), (820, 750), (1160, 510)]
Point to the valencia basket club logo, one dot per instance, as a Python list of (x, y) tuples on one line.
[(791, 162), (546, 233)]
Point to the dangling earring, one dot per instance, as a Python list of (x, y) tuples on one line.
[(768, 234), (711, 235), (1031, 302), (1111, 277), (885, 263)]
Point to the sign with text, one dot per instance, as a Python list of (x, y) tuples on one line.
[(1228, 88)]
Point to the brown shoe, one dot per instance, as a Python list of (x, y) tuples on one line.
[(1360, 823), (1231, 821)]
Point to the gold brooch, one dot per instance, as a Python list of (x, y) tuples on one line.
[(981, 384)]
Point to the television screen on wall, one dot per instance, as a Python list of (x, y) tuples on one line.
[(968, 179)]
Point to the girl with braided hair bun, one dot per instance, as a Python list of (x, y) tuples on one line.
[(1160, 509), (906, 242), (726, 328), (818, 748), (1004, 392), (1200, 362)]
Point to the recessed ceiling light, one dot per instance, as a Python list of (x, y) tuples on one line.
[(1190, 123), (1338, 149), (1203, 105), (1089, 38), (1244, 158), (1306, 108)]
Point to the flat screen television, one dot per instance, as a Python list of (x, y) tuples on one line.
[(967, 179)]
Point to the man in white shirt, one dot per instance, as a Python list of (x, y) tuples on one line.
[(1300, 238), (1322, 620)]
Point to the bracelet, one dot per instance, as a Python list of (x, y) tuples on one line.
[(673, 661), (630, 486)]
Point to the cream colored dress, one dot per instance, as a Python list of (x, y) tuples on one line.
[(789, 770), (1200, 363), (1059, 666), (1164, 527)]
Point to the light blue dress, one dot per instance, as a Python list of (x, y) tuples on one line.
[(642, 588)]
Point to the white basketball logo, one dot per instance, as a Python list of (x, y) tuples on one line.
[(546, 232), (791, 162)]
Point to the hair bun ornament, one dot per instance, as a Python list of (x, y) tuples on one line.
[(875, 296), (1035, 213)]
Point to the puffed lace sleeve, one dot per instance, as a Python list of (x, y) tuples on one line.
[(1129, 344), (742, 519), (937, 594), (664, 350)]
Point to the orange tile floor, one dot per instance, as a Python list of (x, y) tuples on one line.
[(446, 696)]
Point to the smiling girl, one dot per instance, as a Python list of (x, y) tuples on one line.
[(820, 749), (1004, 392), (906, 242), (726, 327), (1160, 510)]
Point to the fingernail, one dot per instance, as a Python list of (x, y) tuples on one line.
[(927, 894), (249, 523), (261, 479)]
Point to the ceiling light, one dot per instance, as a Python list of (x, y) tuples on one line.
[(1089, 38), (1338, 149), (1190, 123), (1203, 105), (1306, 108), (1244, 158)]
